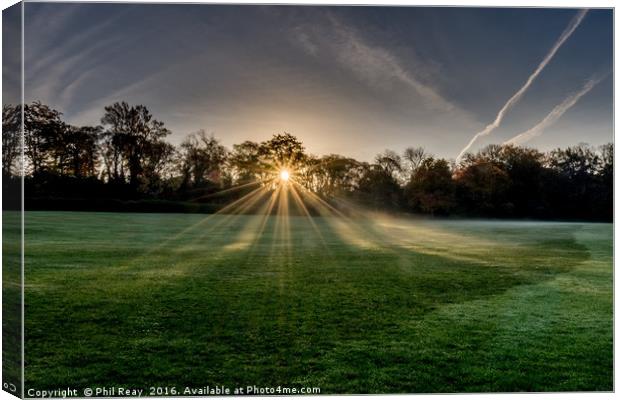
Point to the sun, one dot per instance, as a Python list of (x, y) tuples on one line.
[(284, 175)]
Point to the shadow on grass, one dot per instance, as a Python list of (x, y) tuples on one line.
[(298, 306)]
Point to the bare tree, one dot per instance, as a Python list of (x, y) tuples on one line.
[(132, 134), (43, 130), (413, 157), (202, 159), (389, 161), (11, 139)]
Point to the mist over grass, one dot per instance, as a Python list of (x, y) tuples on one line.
[(364, 305)]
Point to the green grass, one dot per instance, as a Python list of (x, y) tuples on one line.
[(377, 305), (11, 302)]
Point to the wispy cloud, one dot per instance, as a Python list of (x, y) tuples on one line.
[(56, 75), (93, 110), (555, 114), (574, 23), (360, 79), (370, 63)]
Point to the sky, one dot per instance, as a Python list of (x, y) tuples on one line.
[(346, 80)]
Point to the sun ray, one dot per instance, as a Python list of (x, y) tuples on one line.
[(252, 230), (228, 190), (266, 214), (171, 241), (232, 215), (348, 230), (300, 203)]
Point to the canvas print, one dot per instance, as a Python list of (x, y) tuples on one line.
[(206, 199)]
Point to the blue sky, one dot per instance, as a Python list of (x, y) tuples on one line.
[(348, 80)]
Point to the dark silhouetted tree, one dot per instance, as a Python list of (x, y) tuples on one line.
[(482, 188), (81, 148), (525, 169), (282, 151), (43, 132), (130, 152), (412, 159), (390, 162), (431, 189), (576, 180), (202, 160), (132, 134), (244, 162), (377, 188), (11, 139), (335, 175)]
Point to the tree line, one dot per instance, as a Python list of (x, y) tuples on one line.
[(126, 160)]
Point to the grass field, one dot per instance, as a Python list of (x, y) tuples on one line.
[(11, 302), (377, 305)]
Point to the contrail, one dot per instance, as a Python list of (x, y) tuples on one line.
[(554, 115), (574, 23)]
